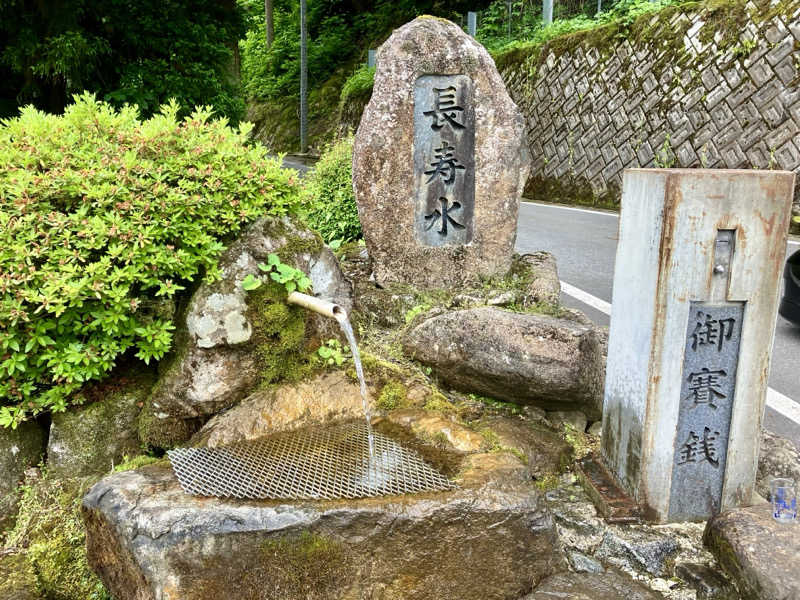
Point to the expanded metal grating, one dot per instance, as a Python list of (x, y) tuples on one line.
[(319, 464)]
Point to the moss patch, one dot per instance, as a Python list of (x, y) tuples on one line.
[(279, 335), (307, 565), (50, 528), (393, 395)]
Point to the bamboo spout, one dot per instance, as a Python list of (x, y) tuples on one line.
[(323, 307)]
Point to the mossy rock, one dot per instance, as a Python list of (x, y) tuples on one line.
[(17, 579), (20, 449), (231, 341), (49, 527), (92, 438)]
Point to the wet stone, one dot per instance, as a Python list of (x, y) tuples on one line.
[(610, 585), (709, 584), (637, 550)]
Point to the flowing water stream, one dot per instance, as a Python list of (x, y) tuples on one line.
[(347, 329)]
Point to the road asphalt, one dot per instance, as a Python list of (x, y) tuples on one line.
[(584, 243)]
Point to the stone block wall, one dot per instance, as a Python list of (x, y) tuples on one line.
[(712, 85)]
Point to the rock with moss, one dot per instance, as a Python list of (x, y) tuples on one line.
[(93, 438), (322, 399), (610, 585), (17, 579), (50, 530), (760, 554), (545, 452), (523, 358), (230, 341), (544, 286), (488, 540), (778, 457), (20, 449)]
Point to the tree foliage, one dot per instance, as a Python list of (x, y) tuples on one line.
[(101, 216), (339, 32), (141, 52)]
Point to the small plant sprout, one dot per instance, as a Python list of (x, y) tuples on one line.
[(291, 278), (333, 353)]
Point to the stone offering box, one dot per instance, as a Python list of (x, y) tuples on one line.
[(693, 316)]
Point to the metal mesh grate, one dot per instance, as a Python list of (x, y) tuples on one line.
[(325, 463)]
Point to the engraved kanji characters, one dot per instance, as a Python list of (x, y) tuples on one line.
[(445, 164), (445, 108), (705, 387), (711, 331), (695, 449), (444, 215)]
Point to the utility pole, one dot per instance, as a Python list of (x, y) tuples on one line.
[(508, 17), (547, 12), (269, 26), (303, 79)]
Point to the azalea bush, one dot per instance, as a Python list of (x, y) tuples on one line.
[(101, 216)]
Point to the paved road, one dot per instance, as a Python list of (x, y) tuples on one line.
[(585, 244)]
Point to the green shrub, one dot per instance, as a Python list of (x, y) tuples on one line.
[(101, 214), (358, 84), (328, 200)]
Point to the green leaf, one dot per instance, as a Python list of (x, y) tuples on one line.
[(251, 283), (273, 260), (265, 268)]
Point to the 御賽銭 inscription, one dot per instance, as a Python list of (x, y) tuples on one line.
[(444, 159), (711, 356)]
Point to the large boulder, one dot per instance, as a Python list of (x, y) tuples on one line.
[(489, 539), (92, 438), (437, 93), (20, 449), (517, 357), (761, 555), (229, 340)]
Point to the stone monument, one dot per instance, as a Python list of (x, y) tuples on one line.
[(440, 160), (693, 315)]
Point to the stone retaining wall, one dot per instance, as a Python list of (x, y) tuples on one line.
[(714, 85)]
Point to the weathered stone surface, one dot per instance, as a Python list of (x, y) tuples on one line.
[(610, 585), (574, 418), (431, 425), (92, 438), (385, 177), (778, 457), (490, 539), (761, 555), (522, 358), (327, 397), (584, 564), (546, 452), (637, 549), (545, 286), (709, 583), (219, 355), (20, 448)]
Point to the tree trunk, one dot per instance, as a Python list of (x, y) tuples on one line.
[(269, 25)]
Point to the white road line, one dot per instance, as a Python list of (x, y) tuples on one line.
[(775, 400), (586, 210), (598, 212), (783, 405), (586, 298)]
